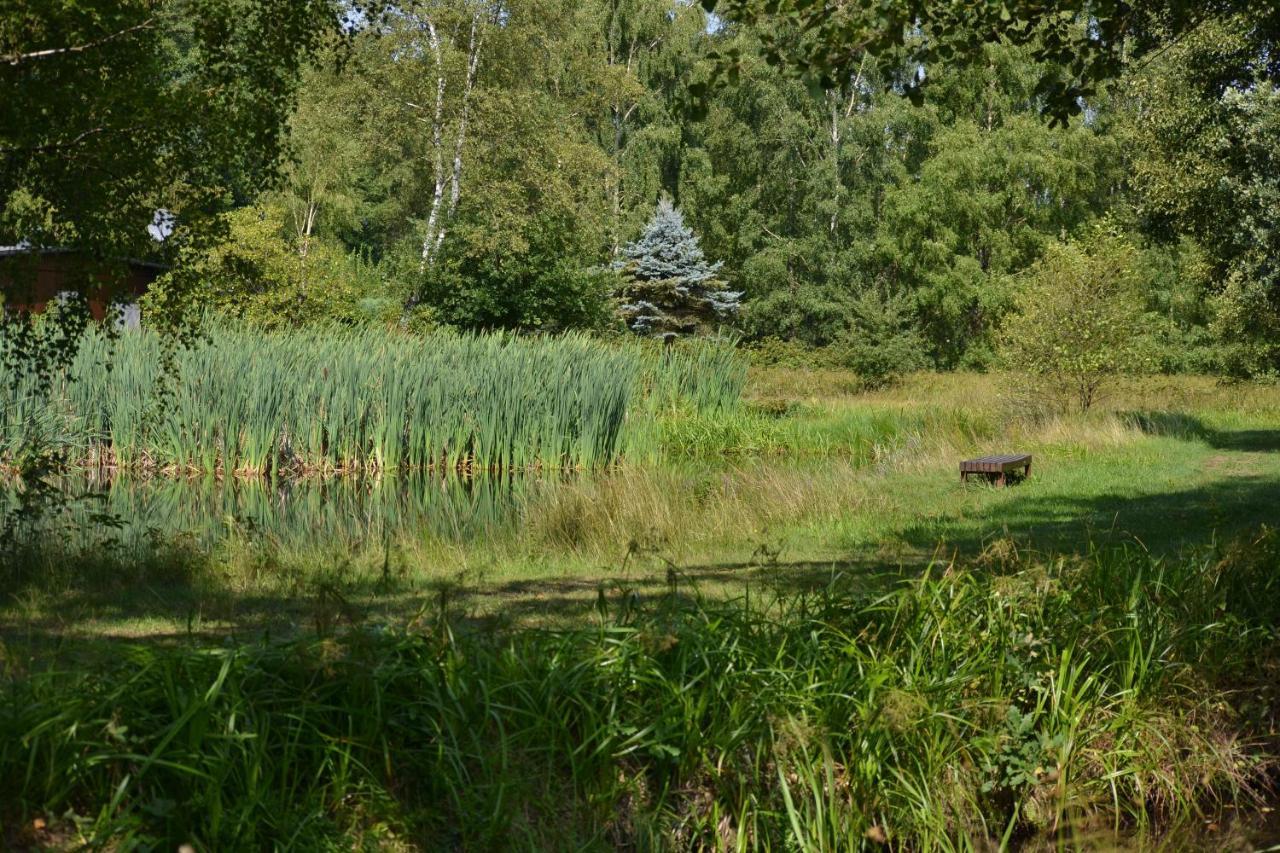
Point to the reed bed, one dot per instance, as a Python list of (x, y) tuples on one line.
[(335, 400)]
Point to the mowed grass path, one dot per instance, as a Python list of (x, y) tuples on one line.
[(833, 487)]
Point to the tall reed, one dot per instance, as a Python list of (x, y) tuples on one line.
[(333, 400)]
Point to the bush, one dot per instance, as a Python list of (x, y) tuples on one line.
[(1246, 324), (261, 275), (540, 279), (780, 352), (883, 342), (1079, 320)]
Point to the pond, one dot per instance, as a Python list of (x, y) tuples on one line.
[(135, 511)]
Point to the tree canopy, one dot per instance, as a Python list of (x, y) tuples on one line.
[(485, 163), (126, 121), (1080, 44)]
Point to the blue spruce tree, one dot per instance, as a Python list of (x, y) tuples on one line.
[(669, 288)]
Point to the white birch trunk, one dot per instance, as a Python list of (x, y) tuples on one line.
[(429, 242), (455, 179), (835, 162)]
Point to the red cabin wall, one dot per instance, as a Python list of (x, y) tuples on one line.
[(55, 273)]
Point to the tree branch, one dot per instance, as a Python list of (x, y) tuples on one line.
[(19, 58)]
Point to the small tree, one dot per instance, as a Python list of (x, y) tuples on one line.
[(1079, 319), (883, 342), (669, 288)]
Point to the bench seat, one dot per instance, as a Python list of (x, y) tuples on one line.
[(997, 468)]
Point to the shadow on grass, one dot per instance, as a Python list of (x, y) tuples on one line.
[(570, 599), (1247, 441), (91, 619), (1163, 523), (1178, 425)]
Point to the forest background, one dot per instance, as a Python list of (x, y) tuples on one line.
[(483, 165)]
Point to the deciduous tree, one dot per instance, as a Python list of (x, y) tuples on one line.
[(1079, 319)]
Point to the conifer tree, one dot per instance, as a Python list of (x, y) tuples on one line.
[(669, 288)]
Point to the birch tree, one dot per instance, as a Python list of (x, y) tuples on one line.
[(446, 41), (640, 44), (327, 143)]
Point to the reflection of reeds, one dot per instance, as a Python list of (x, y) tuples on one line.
[(339, 400), (289, 514)]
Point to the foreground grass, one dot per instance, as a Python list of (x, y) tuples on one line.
[(1004, 699)]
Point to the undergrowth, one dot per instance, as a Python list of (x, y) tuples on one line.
[(1017, 695)]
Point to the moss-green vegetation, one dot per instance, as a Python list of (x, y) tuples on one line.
[(982, 702)]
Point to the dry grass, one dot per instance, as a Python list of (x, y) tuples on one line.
[(681, 510)]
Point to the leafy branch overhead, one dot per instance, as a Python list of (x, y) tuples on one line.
[(114, 114), (1081, 43)]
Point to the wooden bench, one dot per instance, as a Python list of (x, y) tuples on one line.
[(997, 468)]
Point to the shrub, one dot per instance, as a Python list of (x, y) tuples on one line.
[(1079, 320), (781, 352), (540, 278), (1246, 324), (264, 276), (883, 342)]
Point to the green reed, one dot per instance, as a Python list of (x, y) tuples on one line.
[(342, 400)]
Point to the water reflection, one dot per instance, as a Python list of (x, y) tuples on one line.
[(308, 511)]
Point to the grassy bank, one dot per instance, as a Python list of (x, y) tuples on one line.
[(1167, 467), (1003, 700), (336, 400)]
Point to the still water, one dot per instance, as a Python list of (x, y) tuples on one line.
[(310, 511)]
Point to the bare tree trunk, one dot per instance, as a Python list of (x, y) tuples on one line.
[(304, 242), (624, 53), (308, 225), (615, 185), (834, 97)]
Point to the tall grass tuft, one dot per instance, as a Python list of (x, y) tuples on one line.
[(974, 706), (340, 400)]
